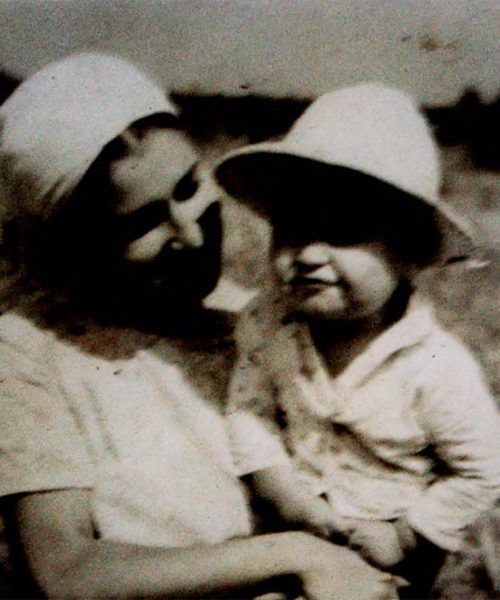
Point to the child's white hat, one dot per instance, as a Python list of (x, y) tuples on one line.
[(367, 128), (57, 122)]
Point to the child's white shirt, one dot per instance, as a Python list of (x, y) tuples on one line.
[(369, 438)]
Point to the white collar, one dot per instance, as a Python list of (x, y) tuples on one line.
[(292, 354), (410, 330)]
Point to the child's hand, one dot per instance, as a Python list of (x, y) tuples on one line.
[(376, 541), (406, 534), (295, 504), (319, 519)]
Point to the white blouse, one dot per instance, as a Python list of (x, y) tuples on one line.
[(142, 429)]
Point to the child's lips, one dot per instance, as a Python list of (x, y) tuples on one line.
[(311, 283)]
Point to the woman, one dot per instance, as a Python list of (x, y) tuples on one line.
[(113, 456)]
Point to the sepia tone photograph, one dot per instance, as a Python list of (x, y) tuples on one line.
[(249, 315)]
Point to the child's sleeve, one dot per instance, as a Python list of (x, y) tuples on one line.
[(252, 410), (462, 423)]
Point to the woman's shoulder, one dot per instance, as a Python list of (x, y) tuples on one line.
[(22, 337)]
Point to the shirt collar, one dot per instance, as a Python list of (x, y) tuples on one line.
[(410, 330)]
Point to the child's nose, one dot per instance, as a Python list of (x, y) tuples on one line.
[(311, 257)]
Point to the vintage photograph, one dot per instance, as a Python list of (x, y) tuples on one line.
[(249, 299)]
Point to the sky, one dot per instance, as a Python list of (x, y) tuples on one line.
[(432, 48)]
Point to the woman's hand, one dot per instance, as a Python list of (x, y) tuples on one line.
[(337, 573)]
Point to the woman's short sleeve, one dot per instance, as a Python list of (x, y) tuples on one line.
[(41, 444)]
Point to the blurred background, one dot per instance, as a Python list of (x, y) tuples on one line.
[(433, 48), (243, 70)]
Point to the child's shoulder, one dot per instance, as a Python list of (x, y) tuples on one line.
[(443, 357), (445, 348)]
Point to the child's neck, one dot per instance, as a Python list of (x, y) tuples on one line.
[(340, 342)]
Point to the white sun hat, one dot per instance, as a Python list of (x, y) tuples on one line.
[(56, 123), (368, 128)]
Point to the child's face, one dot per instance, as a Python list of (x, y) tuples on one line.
[(336, 282)]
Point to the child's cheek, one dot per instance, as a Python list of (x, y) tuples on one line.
[(375, 288)]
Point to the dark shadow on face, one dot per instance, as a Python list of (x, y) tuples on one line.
[(82, 248), (162, 291), (307, 201)]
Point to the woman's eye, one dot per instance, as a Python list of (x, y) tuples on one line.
[(186, 187), (138, 223)]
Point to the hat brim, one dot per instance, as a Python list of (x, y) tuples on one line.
[(273, 182)]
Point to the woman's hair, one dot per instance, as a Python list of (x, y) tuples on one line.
[(157, 121)]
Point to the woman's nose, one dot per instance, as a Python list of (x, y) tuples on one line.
[(189, 234), (185, 213)]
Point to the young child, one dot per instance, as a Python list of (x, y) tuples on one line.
[(353, 411)]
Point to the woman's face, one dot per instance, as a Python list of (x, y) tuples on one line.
[(167, 231)]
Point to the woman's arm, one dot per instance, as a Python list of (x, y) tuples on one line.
[(56, 534)]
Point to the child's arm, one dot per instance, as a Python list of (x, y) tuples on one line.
[(462, 424), (258, 451), (281, 487), (253, 418)]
